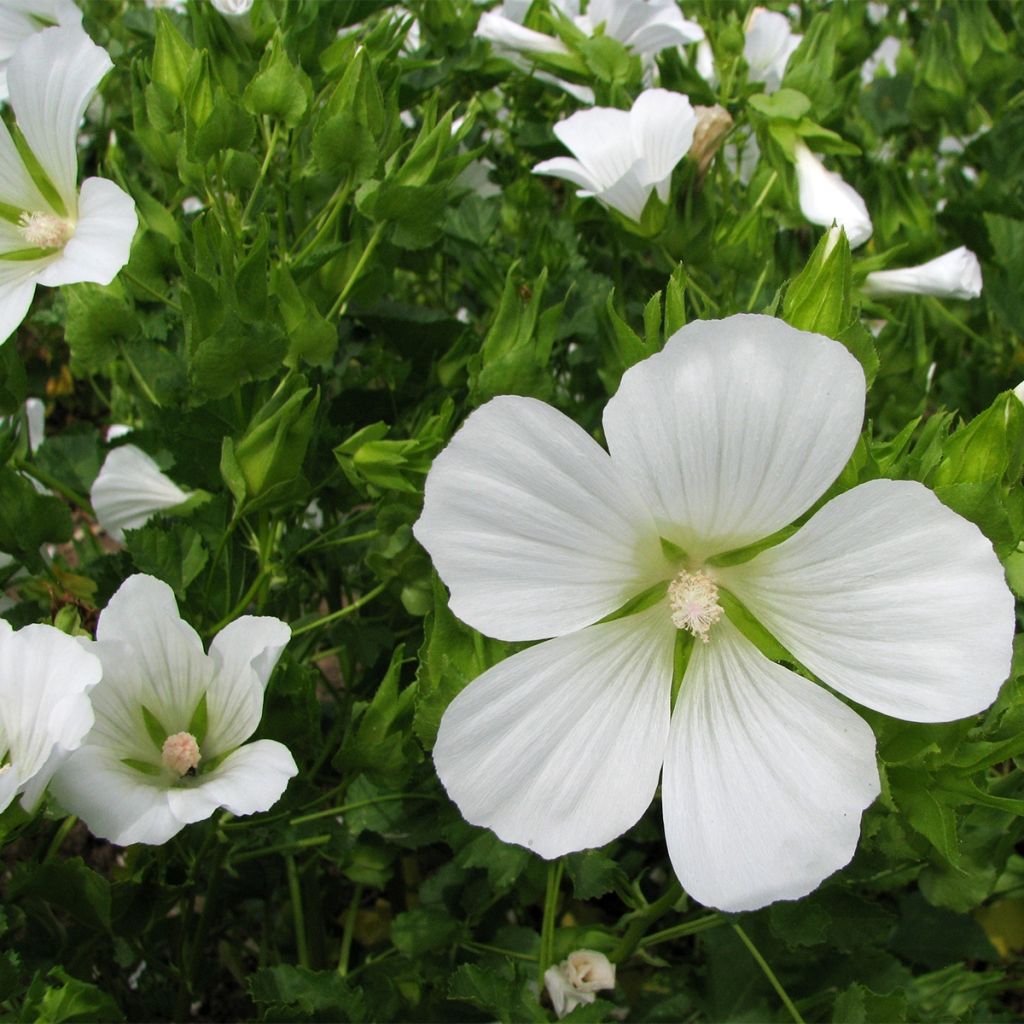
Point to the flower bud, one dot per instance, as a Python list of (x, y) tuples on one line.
[(589, 970), (713, 124), (954, 275)]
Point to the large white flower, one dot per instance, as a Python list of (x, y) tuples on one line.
[(954, 275), (20, 19), (45, 712), (767, 46), (168, 747), (52, 234), (622, 156), (825, 198), (728, 435), (645, 27), (130, 489)]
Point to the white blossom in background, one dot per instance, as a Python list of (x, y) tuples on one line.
[(767, 46), (877, 12), (45, 711), (232, 8), (825, 198), (621, 156), (884, 57), (644, 27), (20, 19), (174, 6), (130, 489), (732, 432), (169, 744), (704, 64), (954, 275), (577, 978), (70, 235)]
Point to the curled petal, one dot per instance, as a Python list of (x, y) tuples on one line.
[(826, 199), (954, 275)]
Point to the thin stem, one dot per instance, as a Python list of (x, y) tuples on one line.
[(547, 928), (319, 544), (333, 209), (298, 915), (195, 949), (482, 947), (679, 931), (936, 306), (32, 470), (59, 836), (331, 812), (769, 974), (285, 848), (350, 928), (141, 381), (339, 303), (644, 919), (271, 145), (241, 604), (149, 289), (347, 609)]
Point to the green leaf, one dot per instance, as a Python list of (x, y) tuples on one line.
[(97, 320), (68, 885), (156, 732), (58, 997), (29, 519), (501, 991), (172, 57), (279, 90), (234, 354), (783, 105), (324, 994), (859, 1005), (594, 873), (424, 930), (174, 553), (818, 298)]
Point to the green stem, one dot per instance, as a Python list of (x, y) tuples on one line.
[(936, 306), (141, 381), (644, 919), (271, 146), (341, 612), (322, 545), (285, 848), (547, 928), (32, 470), (298, 915), (339, 303), (482, 947), (195, 949), (150, 290), (679, 931), (241, 603), (350, 928), (331, 812), (59, 836), (333, 210), (769, 974)]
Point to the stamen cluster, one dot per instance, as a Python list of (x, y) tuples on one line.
[(694, 600)]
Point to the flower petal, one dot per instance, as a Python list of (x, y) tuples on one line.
[(735, 428), (559, 747), (765, 779), (825, 198), (661, 124), (16, 291), (17, 188), (568, 168), (531, 527), (892, 599), (599, 138), (504, 32), (102, 240), (628, 195), (52, 78), (666, 28), (245, 653), (251, 779)]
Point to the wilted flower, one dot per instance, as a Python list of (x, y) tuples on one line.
[(728, 435), (577, 978), (826, 199), (168, 747), (954, 275), (53, 233), (713, 124), (622, 156), (130, 489), (767, 47), (20, 19), (45, 712)]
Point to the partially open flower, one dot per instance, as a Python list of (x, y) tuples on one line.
[(954, 275), (575, 980), (50, 232), (169, 744), (767, 47), (826, 199)]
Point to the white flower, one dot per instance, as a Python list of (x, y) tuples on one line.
[(20, 19), (64, 235), (877, 12), (825, 198), (954, 275), (767, 47), (884, 57), (130, 489), (622, 156), (729, 434), (704, 65), (232, 8), (644, 27), (168, 747), (577, 978), (44, 707)]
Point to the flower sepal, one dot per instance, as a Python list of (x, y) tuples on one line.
[(819, 297), (652, 221)]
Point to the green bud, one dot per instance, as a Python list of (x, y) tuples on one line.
[(818, 298)]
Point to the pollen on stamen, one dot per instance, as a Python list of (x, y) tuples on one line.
[(45, 230), (181, 753), (693, 598)]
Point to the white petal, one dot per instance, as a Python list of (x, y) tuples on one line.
[(825, 198), (628, 194), (16, 185), (102, 240), (599, 138), (583, 93), (245, 653), (767, 47), (559, 747), (250, 780), (568, 168), (954, 275), (661, 124), (667, 28), (10, 782), (116, 802), (35, 418), (735, 428), (130, 489), (765, 779), (15, 298), (52, 78), (892, 599), (505, 32), (531, 526)]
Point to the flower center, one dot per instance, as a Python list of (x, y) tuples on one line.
[(46, 230), (693, 598), (181, 753)]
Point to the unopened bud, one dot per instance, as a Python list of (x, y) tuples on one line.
[(713, 124)]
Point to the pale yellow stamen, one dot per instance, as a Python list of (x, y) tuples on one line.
[(45, 230), (693, 598), (181, 753)]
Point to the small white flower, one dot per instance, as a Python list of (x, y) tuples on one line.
[(66, 235), (20, 19), (732, 432), (954, 275), (130, 489), (644, 27), (175, 7), (825, 198), (575, 980), (169, 744), (232, 8), (506, 32), (884, 57), (877, 12), (767, 47), (622, 156), (45, 712)]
